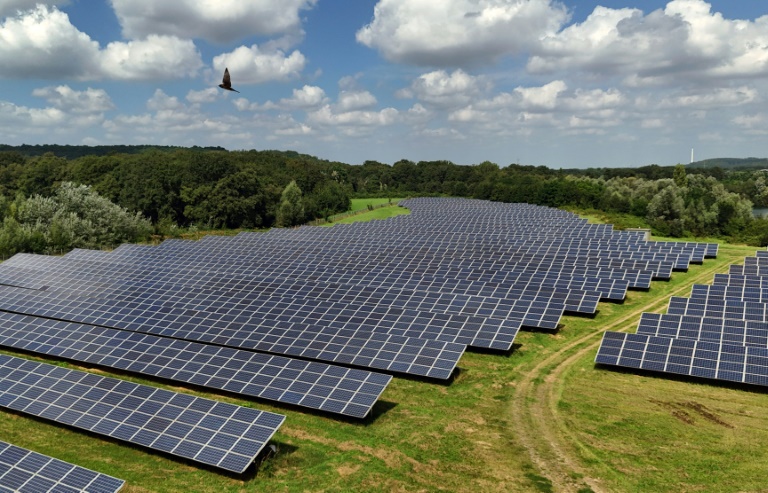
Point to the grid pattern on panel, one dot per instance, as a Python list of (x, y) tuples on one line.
[(463, 272), (266, 311), (25, 471), (314, 385), (402, 354), (735, 292), (213, 433), (702, 359), (741, 280), (719, 308), (725, 330)]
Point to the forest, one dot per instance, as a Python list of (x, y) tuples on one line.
[(81, 196)]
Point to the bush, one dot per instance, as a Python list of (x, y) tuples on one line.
[(74, 217)]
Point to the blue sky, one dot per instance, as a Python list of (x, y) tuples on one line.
[(562, 84)]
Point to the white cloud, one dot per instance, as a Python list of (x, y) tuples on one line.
[(208, 95), (306, 97), (14, 118), (468, 115), (43, 43), (459, 33), (254, 65), (68, 113), (161, 101), (298, 129), (355, 100), (596, 99), (66, 99), (10, 7), (155, 58), (711, 99), (327, 116), (750, 121), (684, 42), (544, 97), (447, 90), (220, 21), (242, 104)]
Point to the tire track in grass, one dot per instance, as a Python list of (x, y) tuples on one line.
[(540, 430)]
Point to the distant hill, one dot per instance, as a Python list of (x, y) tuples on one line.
[(731, 163), (76, 151)]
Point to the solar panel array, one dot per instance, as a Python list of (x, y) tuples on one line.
[(720, 332), (314, 317), (213, 433), (25, 471)]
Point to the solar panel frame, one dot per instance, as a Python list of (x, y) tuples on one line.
[(301, 383), (26, 471), (214, 433), (702, 359)]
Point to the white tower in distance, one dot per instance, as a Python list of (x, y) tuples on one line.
[(691, 155)]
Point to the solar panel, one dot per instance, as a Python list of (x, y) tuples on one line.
[(314, 385), (25, 471), (735, 292), (719, 308), (401, 354), (694, 358), (202, 430), (728, 331)]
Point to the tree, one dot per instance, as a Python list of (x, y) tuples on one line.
[(236, 201), (77, 217), (291, 210), (679, 176), (329, 198), (666, 210)]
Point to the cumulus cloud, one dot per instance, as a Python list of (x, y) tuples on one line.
[(327, 116), (208, 95), (68, 112), (170, 121), (683, 41), (13, 117), (718, 98), (221, 21), (306, 97), (443, 89), (253, 65), (9, 7), (43, 43), (544, 97), (155, 58), (67, 99), (355, 100), (459, 33)]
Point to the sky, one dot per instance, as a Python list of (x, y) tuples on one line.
[(563, 84)]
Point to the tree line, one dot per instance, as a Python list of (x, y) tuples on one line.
[(170, 188)]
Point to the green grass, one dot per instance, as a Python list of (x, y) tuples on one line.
[(361, 204), (382, 212), (631, 432)]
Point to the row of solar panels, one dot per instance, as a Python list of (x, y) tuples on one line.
[(720, 332), (284, 316)]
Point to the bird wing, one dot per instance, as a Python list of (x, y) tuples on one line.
[(226, 82)]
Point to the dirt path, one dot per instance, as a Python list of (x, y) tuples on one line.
[(539, 427)]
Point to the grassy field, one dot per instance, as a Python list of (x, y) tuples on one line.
[(541, 418), (361, 204), (360, 208)]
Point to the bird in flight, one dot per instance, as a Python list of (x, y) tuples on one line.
[(227, 83)]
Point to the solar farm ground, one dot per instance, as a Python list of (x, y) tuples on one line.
[(541, 418)]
